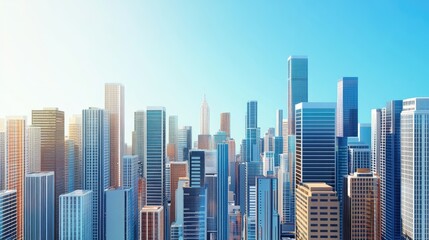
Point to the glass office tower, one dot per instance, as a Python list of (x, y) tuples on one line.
[(297, 87)]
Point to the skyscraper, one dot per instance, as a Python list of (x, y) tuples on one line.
[(253, 133), (316, 212), (120, 214), (375, 139), (285, 136), (196, 168), (152, 223), (70, 167), (177, 226), (76, 215), (269, 140), (414, 173), (279, 123), (96, 165), (359, 156), (8, 220), (139, 136), (234, 223), (33, 149), (39, 207), (225, 123), (205, 118), (195, 213), (75, 135), (222, 191), (347, 107), (297, 87), (130, 180), (155, 156), (178, 170), (173, 132), (210, 183), (51, 123), (15, 157), (184, 143), (2, 157), (267, 216), (361, 205), (315, 149), (114, 107)]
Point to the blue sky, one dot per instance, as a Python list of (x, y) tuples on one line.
[(170, 53)]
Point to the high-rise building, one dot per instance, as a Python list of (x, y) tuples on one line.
[(51, 123), (114, 106), (75, 135), (222, 191), (204, 142), (267, 217), (155, 156), (205, 118), (316, 212), (15, 166), (225, 123), (8, 220), (253, 133), (414, 174), (359, 156), (178, 170), (234, 223), (120, 222), (364, 133), (76, 215), (184, 143), (173, 132), (389, 167), (219, 137), (315, 149), (141, 194), (347, 107), (277, 149), (268, 163), (177, 225), (297, 87), (139, 138), (285, 136), (2, 159), (361, 205), (195, 213), (152, 223), (269, 140), (210, 183), (196, 168), (279, 123), (130, 180), (33, 149), (96, 163), (70, 167), (375, 139), (39, 206), (286, 192)]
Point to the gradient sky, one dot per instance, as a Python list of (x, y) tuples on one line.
[(170, 53)]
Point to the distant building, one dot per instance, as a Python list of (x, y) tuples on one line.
[(225, 123), (297, 87), (267, 217)]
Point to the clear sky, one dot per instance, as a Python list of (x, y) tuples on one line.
[(170, 53)]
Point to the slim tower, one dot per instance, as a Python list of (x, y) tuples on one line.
[(297, 87)]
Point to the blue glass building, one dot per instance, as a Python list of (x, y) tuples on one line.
[(196, 168), (315, 143), (267, 216), (253, 133), (297, 87), (120, 214), (130, 179), (96, 164), (8, 222), (76, 215), (139, 138), (222, 191), (39, 206), (347, 107)]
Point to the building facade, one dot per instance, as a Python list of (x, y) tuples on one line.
[(297, 87)]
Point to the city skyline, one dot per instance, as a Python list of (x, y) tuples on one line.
[(284, 29)]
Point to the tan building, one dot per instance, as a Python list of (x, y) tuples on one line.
[(204, 142), (317, 212), (152, 223), (361, 205), (285, 136), (114, 106), (178, 170), (15, 157), (225, 123)]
